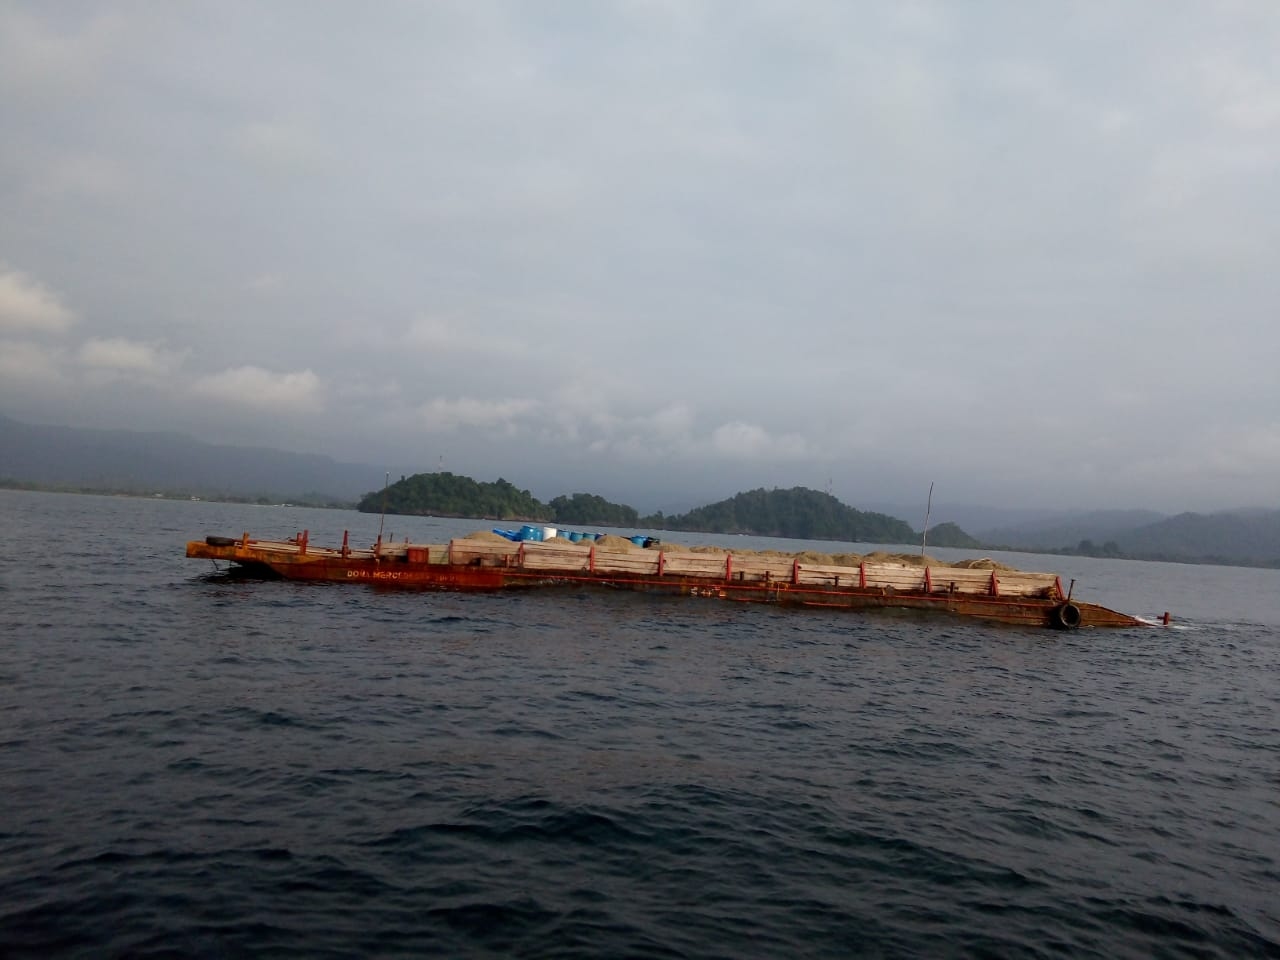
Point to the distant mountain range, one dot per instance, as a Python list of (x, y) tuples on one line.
[(1057, 530), (128, 461), (1242, 537), (135, 462)]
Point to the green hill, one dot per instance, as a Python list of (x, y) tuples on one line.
[(449, 495), (798, 513), (587, 508), (950, 535)]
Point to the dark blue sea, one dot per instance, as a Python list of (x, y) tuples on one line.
[(198, 766)]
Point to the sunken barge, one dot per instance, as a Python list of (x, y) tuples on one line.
[(468, 564)]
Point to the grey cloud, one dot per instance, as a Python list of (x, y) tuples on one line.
[(661, 244)]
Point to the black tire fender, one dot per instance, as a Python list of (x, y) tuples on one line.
[(220, 541), (1066, 616)]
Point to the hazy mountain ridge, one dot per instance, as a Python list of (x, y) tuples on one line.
[(1062, 529), (1247, 536), (1251, 536), (135, 462)]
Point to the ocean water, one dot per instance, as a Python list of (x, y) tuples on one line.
[(194, 765)]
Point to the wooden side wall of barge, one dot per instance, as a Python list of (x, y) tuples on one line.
[(641, 563), (827, 575), (895, 576), (499, 554), (962, 580), (686, 564), (755, 569), (556, 556), (1016, 583)]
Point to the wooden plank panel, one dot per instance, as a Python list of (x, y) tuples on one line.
[(569, 557), (1020, 584), (570, 551), (778, 568), (969, 588), (959, 575), (911, 578), (550, 559), (826, 574), (1022, 576), (694, 564), (465, 551), (835, 569), (970, 581), (759, 569), (645, 563), (556, 561)]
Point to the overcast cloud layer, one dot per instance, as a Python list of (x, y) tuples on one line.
[(661, 251)]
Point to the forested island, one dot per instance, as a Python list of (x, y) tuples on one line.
[(798, 513), (450, 495)]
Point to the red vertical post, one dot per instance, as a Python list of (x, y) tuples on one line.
[(346, 550), (728, 567), (795, 572), (862, 575), (591, 560), (995, 585)]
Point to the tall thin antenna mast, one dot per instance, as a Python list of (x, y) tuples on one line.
[(924, 534), (386, 483)]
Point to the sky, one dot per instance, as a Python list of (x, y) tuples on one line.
[(661, 251)]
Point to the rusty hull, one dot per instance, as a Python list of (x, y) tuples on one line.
[(430, 568)]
